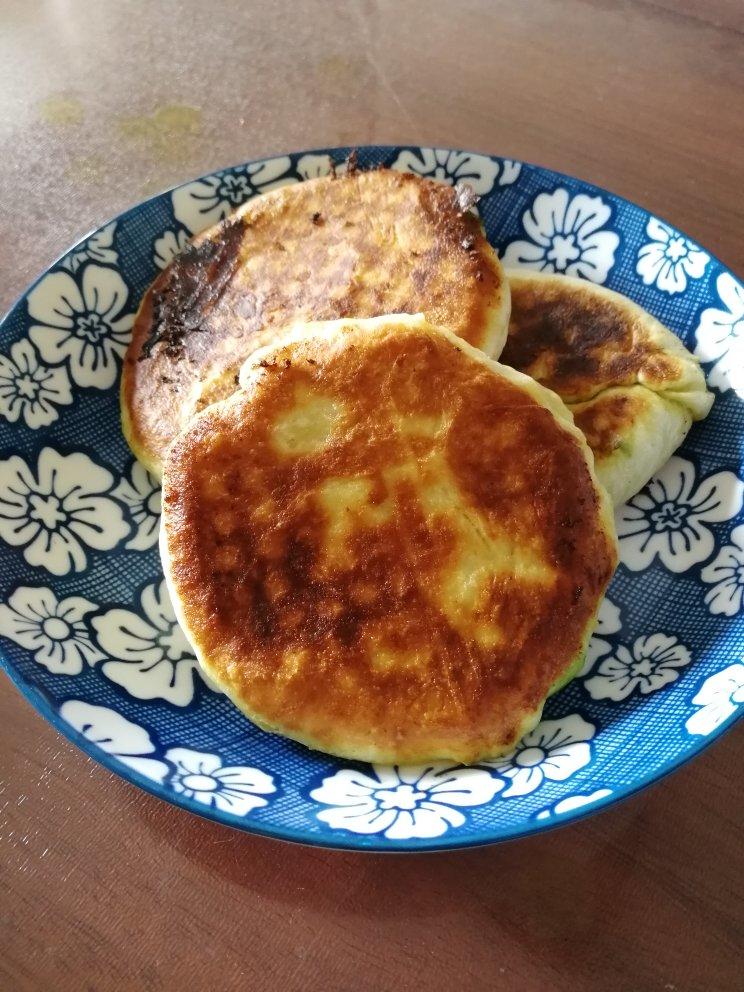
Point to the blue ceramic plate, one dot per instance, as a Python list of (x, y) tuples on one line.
[(89, 635)]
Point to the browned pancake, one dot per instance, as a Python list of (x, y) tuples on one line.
[(363, 244), (632, 386), (388, 547)]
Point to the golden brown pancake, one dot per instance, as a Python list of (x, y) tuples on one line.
[(388, 547), (362, 244), (632, 386)]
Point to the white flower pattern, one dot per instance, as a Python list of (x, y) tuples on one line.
[(726, 574), (653, 663), (56, 632), (403, 802), (29, 390), (83, 324), (608, 622), (141, 493), (571, 803), (720, 336), (480, 172), (168, 246), (668, 518), (554, 750), (207, 201), (151, 657), (235, 789), (719, 697), (62, 511), (566, 234), (98, 247), (668, 260), (314, 166), (58, 510), (115, 735)]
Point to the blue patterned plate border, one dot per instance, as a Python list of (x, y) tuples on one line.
[(88, 633)]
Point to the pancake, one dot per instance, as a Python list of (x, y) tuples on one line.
[(388, 546), (632, 386), (361, 244)]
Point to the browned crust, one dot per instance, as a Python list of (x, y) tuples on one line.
[(578, 343), (607, 420), (248, 558), (363, 244)]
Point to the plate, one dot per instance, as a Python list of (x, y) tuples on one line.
[(88, 633)]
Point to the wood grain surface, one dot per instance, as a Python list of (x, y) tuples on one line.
[(104, 888)]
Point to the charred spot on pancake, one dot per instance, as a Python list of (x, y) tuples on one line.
[(574, 334), (632, 386), (363, 245), (577, 343), (194, 283)]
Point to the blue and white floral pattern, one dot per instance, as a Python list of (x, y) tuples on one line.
[(571, 803), (718, 698), (669, 260), (608, 623), (720, 336), (88, 324), (29, 390), (403, 802), (89, 634), (99, 248), (235, 789), (207, 201), (555, 750), (58, 510), (726, 575), (115, 735), (313, 166), (566, 234), (141, 493), (168, 245), (670, 518), (650, 664), (150, 656), (56, 633), (480, 172)]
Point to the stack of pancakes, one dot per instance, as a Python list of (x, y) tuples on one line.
[(379, 541)]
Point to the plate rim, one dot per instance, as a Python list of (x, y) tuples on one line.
[(354, 842), (345, 149), (347, 841)]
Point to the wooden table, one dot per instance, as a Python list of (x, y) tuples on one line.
[(104, 888)]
